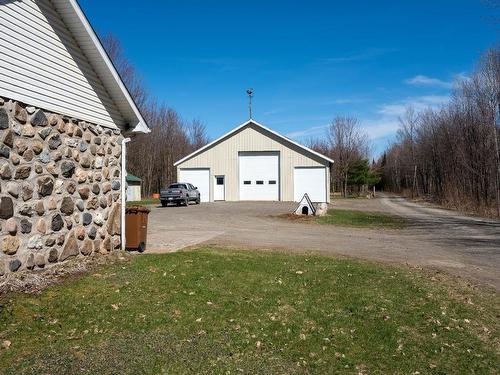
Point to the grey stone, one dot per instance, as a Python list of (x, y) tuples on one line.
[(57, 223), (25, 226), (6, 208), (35, 242), (98, 219), (22, 172), (67, 168), (85, 162), (4, 119), (26, 192), (96, 189), (39, 119), (53, 256), (86, 218), (45, 157), (71, 142), (44, 133), (5, 171), (70, 248), (13, 188), (14, 265), (8, 138), (92, 232), (4, 151), (50, 241), (83, 146), (97, 140), (54, 141), (45, 186), (115, 185), (98, 162), (30, 262), (80, 204), (26, 210), (67, 206)]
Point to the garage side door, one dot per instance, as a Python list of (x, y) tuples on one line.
[(259, 176), (199, 178), (312, 181)]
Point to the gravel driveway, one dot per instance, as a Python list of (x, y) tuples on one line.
[(465, 246)]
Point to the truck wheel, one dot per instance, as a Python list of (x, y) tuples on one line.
[(164, 203), (186, 202), (197, 200)]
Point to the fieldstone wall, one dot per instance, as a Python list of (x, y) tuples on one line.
[(60, 188)]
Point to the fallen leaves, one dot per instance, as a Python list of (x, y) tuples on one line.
[(6, 344)]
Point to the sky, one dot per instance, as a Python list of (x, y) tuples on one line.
[(307, 61)]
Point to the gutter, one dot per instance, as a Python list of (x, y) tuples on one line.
[(123, 192)]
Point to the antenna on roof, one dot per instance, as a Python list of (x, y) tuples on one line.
[(250, 95)]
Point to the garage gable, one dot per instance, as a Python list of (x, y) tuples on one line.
[(252, 136)]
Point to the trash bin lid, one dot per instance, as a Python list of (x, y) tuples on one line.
[(136, 209)]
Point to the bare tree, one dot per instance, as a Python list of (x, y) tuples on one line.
[(151, 156), (453, 151), (348, 144)]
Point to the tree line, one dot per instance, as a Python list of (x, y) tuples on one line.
[(451, 155), (151, 156)]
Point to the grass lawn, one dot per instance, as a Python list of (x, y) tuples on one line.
[(144, 202), (361, 219), (220, 311)]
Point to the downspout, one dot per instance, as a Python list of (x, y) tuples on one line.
[(123, 192)]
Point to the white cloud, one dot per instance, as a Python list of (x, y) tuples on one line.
[(422, 80), (308, 132), (419, 103)]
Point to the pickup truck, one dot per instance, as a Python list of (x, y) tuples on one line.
[(179, 193)]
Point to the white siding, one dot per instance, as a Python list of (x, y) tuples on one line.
[(42, 65), (222, 159)]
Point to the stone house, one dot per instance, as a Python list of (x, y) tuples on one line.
[(65, 117)]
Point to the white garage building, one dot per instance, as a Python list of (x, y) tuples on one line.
[(254, 163)]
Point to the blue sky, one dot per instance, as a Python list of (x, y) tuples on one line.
[(307, 61)]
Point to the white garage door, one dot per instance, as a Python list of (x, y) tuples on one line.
[(312, 181), (199, 178), (259, 176)]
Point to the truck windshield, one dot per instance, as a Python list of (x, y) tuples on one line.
[(177, 186)]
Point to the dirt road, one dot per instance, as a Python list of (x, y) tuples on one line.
[(465, 246)]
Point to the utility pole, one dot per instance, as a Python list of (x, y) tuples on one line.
[(250, 95)]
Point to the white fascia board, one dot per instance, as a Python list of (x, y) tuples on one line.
[(76, 21), (249, 122)]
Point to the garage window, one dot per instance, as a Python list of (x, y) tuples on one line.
[(247, 182), (272, 182), (220, 180), (259, 182)]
